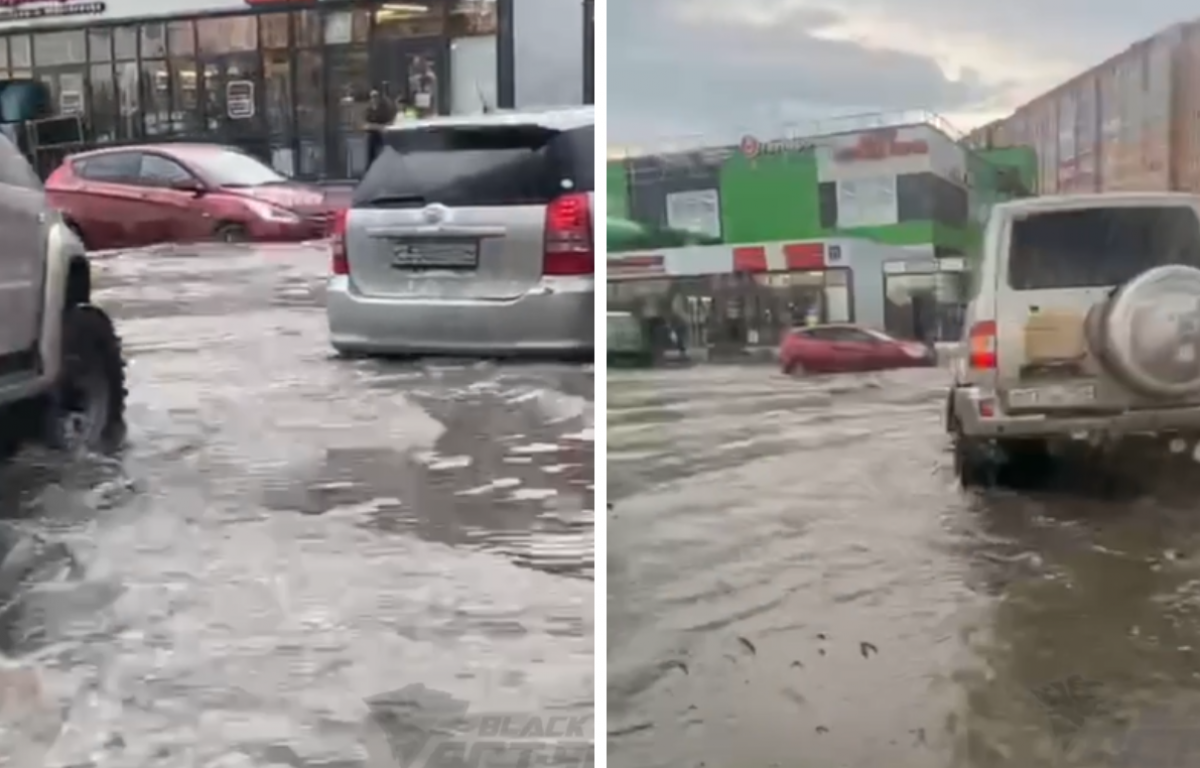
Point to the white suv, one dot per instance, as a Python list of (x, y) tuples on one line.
[(1084, 327)]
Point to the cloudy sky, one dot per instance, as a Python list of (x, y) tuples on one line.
[(719, 69)]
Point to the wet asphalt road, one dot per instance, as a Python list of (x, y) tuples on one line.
[(290, 535), (795, 579)]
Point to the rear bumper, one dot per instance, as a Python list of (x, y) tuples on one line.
[(1141, 422), (555, 316)]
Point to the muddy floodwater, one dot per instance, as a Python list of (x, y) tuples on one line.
[(292, 543), (795, 579)]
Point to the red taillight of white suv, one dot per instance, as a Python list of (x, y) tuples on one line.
[(568, 238), (981, 340), (339, 264)]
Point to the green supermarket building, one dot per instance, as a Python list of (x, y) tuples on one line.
[(771, 210)]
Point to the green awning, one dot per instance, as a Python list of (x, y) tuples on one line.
[(629, 235)]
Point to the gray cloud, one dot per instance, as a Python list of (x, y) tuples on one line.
[(672, 77)]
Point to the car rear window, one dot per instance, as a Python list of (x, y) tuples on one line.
[(478, 166), (1097, 247)]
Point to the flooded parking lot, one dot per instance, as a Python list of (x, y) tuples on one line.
[(292, 543), (795, 578)]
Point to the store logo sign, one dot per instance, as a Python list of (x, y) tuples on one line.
[(21, 10), (880, 145), (752, 147)]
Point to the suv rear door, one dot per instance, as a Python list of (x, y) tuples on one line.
[(23, 222), (459, 211), (1060, 264)]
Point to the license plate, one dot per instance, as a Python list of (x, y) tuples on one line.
[(435, 255), (1056, 396)]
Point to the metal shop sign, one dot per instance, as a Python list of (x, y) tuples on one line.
[(239, 99), (22, 10), (752, 147), (634, 266), (880, 145)]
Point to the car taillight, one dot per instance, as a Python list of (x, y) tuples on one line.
[(337, 243), (568, 237), (982, 346)]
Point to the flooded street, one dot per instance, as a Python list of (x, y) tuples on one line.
[(293, 544), (795, 578)]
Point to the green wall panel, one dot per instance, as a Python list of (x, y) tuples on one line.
[(618, 190), (773, 197)]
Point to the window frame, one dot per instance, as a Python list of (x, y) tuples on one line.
[(80, 165), (149, 183)]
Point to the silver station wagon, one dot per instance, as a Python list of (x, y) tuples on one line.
[(472, 236)]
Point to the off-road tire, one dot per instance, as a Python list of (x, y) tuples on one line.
[(92, 358), (974, 465)]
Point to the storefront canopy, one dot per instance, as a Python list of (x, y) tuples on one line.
[(629, 235)]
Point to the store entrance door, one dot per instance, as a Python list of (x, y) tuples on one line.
[(409, 72), (233, 102)]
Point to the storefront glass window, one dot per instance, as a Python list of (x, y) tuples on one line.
[(154, 40), (130, 124), (310, 113), (156, 100), (125, 43), (100, 42), (274, 29), (185, 118), (309, 32), (277, 101), (103, 105), (405, 20), (473, 74), (56, 48), (181, 38), (471, 18), (348, 89), (21, 56), (229, 34), (422, 83)]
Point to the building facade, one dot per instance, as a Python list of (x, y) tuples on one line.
[(905, 185), (288, 81), (770, 209)]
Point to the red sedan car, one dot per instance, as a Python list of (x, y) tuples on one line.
[(128, 197), (847, 348)]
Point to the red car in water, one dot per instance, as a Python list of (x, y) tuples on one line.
[(129, 197), (849, 348)]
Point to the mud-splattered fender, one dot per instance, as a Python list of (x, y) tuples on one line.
[(64, 253)]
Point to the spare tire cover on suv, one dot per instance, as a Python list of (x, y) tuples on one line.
[(1150, 332)]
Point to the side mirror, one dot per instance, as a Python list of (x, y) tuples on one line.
[(189, 185)]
